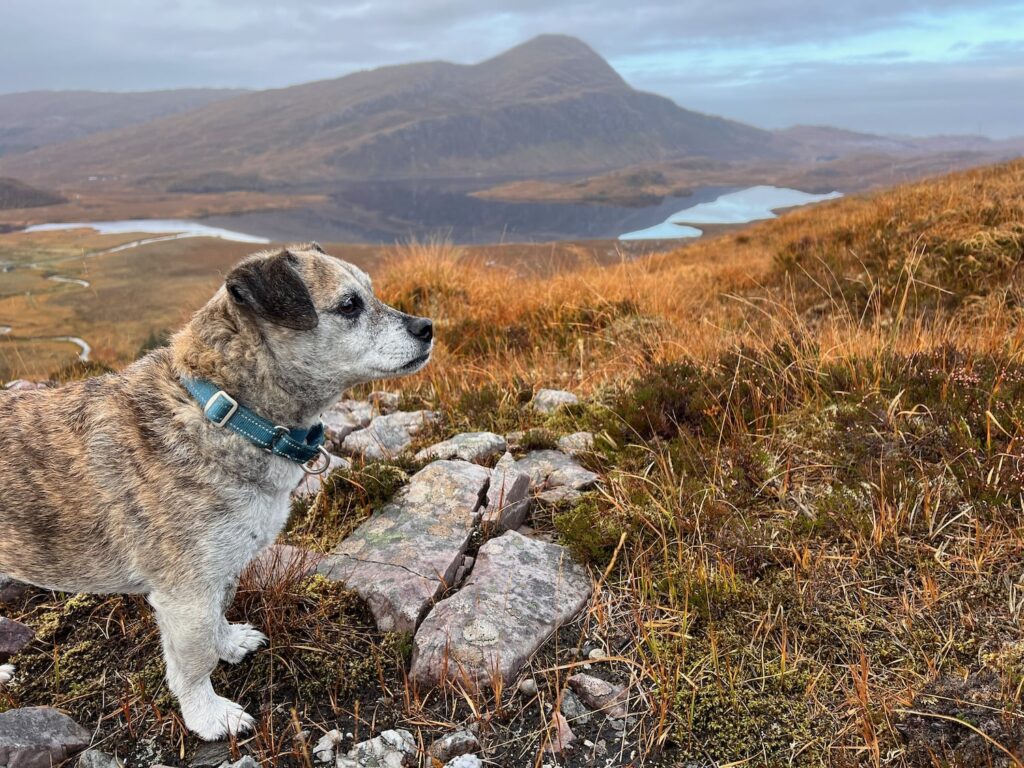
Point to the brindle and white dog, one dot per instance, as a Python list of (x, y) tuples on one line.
[(121, 484)]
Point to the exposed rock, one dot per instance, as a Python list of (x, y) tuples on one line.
[(600, 694), (574, 709), (454, 744), (93, 758), (387, 436), (11, 590), (39, 737), (343, 419), (392, 749), (212, 753), (559, 495), (6, 674), (560, 735), (324, 748), (478, 447), (408, 552), (553, 469), (465, 761), (13, 636), (385, 402), (519, 593), (309, 486), (282, 562), (550, 400), (508, 497), (22, 384), (577, 442)]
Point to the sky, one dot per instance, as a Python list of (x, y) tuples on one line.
[(885, 66)]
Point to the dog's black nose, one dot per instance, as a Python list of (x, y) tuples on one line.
[(421, 328)]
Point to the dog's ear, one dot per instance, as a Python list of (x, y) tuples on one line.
[(273, 290), (317, 247)]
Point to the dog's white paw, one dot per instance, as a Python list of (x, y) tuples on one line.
[(214, 717), (6, 674), (238, 641)]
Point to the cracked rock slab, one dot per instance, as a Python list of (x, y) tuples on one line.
[(508, 497), (344, 418), (553, 469), (387, 436), (551, 400), (408, 552), (477, 447), (39, 737), (520, 591)]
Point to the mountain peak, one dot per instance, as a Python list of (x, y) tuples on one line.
[(556, 61)]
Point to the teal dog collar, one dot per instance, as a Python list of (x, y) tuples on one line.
[(299, 445)]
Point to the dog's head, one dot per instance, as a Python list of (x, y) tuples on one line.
[(320, 328)]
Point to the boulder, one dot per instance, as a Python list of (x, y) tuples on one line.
[(600, 694), (553, 469), (508, 497), (519, 592), (577, 442), (408, 552), (13, 636), (392, 749), (454, 744), (551, 400), (39, 737), (477, 447), (310, 485), (281, 563), (387, 436)]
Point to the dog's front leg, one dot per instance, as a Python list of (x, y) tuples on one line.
[(190, 620), (235, 641)]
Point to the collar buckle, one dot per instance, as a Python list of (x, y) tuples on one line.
[(213, 401)]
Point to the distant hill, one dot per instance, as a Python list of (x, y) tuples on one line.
[(40, 118), (549, 106), (17, 194)]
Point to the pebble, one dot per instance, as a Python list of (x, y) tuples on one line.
[(453, 745), (528, 687), (560, 736), (551, 400)]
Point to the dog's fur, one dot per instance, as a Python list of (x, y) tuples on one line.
[(120, 484)]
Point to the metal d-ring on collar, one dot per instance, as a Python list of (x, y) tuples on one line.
[(303, 446)]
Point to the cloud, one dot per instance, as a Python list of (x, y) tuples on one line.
[(728, 56)]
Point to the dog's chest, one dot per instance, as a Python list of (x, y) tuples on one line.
[(262, 512)]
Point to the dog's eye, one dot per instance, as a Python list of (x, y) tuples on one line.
[(349, 306)]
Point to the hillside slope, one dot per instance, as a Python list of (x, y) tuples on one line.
[(551, 105), (17, 194), (39, 118)]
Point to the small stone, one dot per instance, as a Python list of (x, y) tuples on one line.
[(574, 709), (212, 753), (6, 674), (13, 636), (553, 469), (310, 484), (465, 761), (600, 694), (520, 591), (528, 687), (93, 758), (550, 400), (246, 761), (39, 737), (11, 591), (385, 402), (508, 498), (343, 419), (21, 385), (560, 736), (477, 447), (392, 749), (387, 436), (577, 442), (454, 744), (323, 750), (596, 653), (281, 563)]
